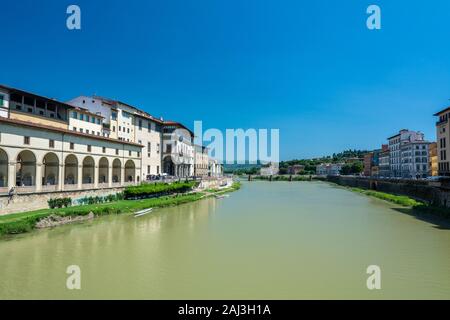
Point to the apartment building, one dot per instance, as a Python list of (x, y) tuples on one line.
[(443, 138), (395, 149), (384, 166), (47, 145), (414, 159)]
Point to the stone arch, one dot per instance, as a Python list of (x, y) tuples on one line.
[(130, 171), (26, 169), (116, 171), (103, 170), (71, 169), (88, 172), (169, 166), (3, 169), (50, 169)]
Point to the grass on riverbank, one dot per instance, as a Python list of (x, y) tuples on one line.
[(405, 201), (26, 221)]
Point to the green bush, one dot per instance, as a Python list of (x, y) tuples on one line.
[(59, 203), (158, 189)]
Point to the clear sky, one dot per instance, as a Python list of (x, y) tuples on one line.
[(309, 68)]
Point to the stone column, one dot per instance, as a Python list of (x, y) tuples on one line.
[(38, 178), (61, 177), (11, 175), (96, 174), (122, 176), (80, 177), (110, 173)]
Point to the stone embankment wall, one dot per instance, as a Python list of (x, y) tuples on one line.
[(435, 193), (36, 201), (215, 183)]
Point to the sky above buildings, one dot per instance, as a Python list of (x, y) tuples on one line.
[(311, 69)]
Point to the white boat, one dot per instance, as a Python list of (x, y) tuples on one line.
[(222, 196), (142, 212)]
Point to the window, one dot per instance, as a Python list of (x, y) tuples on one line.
[(138, 153), (93, 120), (89, 148), (74, 128), (2, 98), (81, 116), (128, 130), (98, 121), (140, 124), (87, 118), (149, 149), (104, 149), (114, 116), (114, 128), (157, 169), (74, 115), (51, 143), (26, 140), (117, 152), (129, 153), (149, 126), (72, 146), (120, 128), (81, 130), (148, 169)]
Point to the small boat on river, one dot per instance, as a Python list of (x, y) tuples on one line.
[(142, 212)]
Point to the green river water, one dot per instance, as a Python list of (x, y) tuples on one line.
[(279, 240)]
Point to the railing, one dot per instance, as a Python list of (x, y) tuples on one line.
[(70, 187), (87, 186), (103, 185), (116, 184), (25, 189), (49, 187), (4, 190)]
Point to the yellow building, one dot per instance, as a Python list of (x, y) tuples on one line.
[(433, 159)]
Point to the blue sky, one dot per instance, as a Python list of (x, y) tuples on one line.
[(309, 68)]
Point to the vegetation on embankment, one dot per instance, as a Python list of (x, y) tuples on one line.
[(405, 201), (158, 189), (26, 221)]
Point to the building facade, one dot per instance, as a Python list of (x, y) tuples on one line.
[(433, 160), (178, 150), (414, 159), (127, 123), (42, 148), (295, 169), (329, 169), (201, 163), (384, 167), (395, 149), (443, 138)]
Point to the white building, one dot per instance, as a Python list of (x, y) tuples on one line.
[(178, 150), (415, 159), (395, 149), (127, 123), (45, 148), (329, 169)]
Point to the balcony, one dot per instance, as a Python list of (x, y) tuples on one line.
[(441, 122)]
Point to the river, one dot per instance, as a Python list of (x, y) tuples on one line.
[(279, 240)]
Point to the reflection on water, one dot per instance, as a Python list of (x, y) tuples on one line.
[(267, 241)]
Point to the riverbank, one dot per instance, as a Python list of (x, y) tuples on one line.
[(405, 201), (27, 221)]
